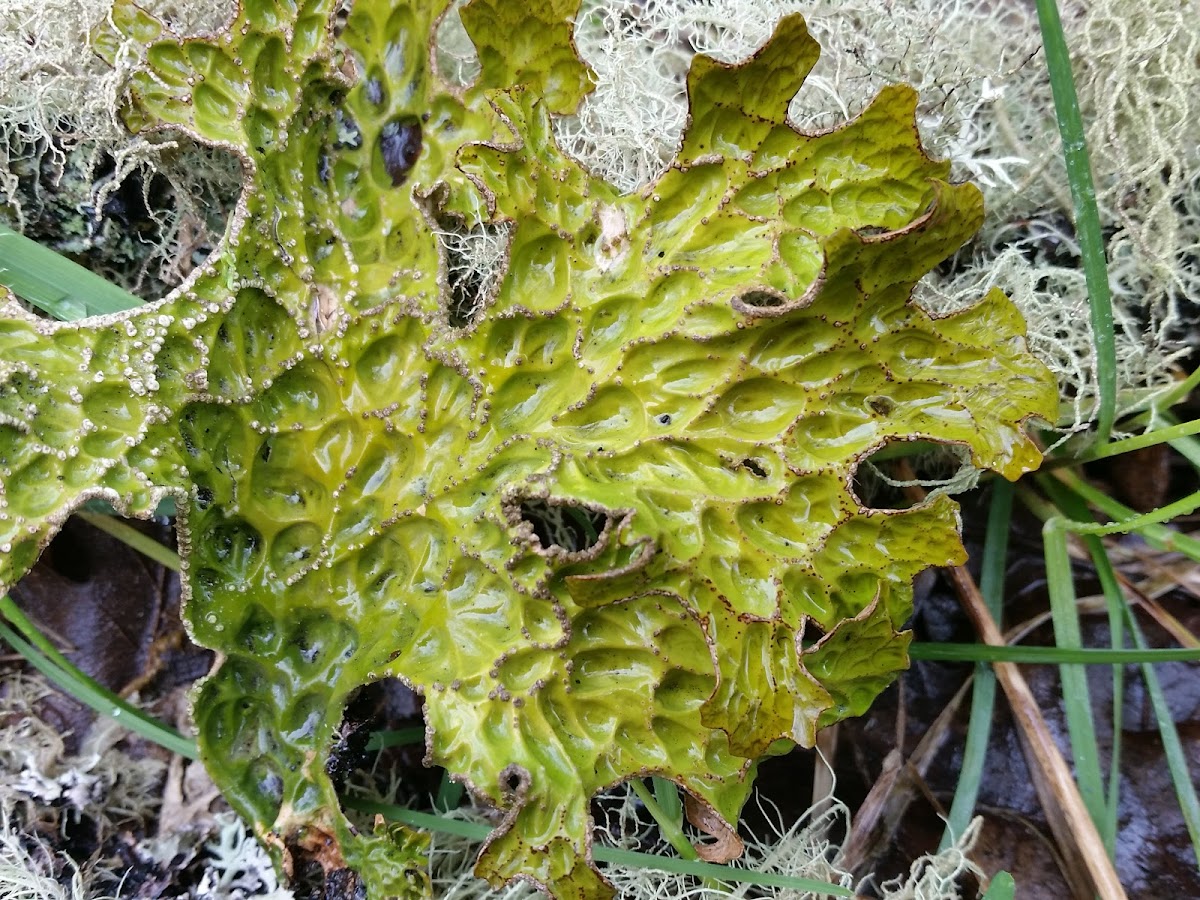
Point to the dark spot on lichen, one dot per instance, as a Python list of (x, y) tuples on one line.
[(400, 145), (881, 405)]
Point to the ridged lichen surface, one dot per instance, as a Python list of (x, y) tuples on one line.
[(593, 499)]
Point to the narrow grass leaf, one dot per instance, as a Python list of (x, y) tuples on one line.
[(1172, 433), (1148, 526), (55, 284), (1002, 887), (670, 827), (131, 537), (1177, 761), (1087, 216), (1180, 391), (666, 795), (61, 672), (400, 738), (1180, 437), (1118, 615), (449, 795), (1077, 700), (1050, 655), (632, 858)]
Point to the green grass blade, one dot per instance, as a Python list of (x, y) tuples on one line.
[(1173, 433), (61, 672), (1148, 525), (1157, 535), (1057, 656), (400, 738), (130, 536), (1078, 493), (1180, 391), (1002, 887), (666, 795), (669, 827), (449, 795), (1188, 447), (1117, 611), (983, 692), (1179, 434), (1118, 615), (632, 858), (54, 284), (1077, 701), (1087, 217)]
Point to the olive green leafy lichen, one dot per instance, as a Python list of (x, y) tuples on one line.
[(596, 506)]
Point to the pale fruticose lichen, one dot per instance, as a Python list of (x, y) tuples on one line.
[(596, 502), (142, 209)]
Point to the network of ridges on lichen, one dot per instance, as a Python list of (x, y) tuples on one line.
[(356, 448)]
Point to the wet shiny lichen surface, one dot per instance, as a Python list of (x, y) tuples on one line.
[(371, 441)]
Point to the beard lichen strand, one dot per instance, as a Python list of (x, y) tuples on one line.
[(359, 444)]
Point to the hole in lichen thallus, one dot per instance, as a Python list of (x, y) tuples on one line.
[(349, 750), (389, 708), (466, 282), (753, 465), (564, 526), (69, 554), (513, 779), (476, 258), (813, 632), (761, 302), (898, 474), (875, 477), (148, 228)]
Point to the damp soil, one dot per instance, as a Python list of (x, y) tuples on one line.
[(117, 616)]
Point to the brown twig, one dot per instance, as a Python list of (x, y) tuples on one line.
[(1056, 786), (1090, 868)]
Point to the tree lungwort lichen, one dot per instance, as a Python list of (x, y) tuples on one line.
[(371, 440)]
